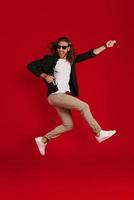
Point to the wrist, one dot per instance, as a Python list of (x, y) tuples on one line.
[(43, 75), (105, 45)]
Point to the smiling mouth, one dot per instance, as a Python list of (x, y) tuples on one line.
[(61, 53)]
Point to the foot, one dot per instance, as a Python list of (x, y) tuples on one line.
[(41, 145), (104, 135)]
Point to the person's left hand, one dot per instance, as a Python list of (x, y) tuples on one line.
[(110, 43)]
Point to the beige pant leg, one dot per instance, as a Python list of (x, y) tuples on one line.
[(67, 123), (70, 102)]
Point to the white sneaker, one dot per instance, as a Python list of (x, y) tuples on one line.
[(104, 135), (41, 145)]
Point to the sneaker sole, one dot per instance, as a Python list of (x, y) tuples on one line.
[(106, 137), (38, 145)]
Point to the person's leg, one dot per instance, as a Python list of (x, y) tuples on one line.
[(71, 102), (63, 103), (67, 124)]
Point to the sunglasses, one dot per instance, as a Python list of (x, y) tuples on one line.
[(63, 47)]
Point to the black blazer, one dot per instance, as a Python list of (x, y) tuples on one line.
[(47, 65)]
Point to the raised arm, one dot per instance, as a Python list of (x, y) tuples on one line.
[(94, 52), (84, 56), (100, 49)]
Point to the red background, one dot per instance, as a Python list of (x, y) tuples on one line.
[(75, 165)]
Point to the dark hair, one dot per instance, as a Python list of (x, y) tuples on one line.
[(53, 48)]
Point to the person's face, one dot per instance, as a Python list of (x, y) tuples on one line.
[(63, 49)]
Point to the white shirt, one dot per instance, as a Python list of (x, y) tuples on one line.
[(62, 75)]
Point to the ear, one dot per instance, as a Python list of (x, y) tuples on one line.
[(68, 49)]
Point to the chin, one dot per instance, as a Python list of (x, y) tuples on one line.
[(62, 56)]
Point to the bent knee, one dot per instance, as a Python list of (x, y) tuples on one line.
[(85, 106), (68, 126)]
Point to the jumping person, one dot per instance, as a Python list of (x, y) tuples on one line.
[(57, 70)]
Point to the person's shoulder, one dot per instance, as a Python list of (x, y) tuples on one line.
[(46, 56), (51, 57)]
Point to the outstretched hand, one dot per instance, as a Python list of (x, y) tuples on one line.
[(110, 43)]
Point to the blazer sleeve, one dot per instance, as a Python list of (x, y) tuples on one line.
[(84, 56), (36, 67)]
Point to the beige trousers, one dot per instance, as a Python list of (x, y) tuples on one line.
[(63, 103)]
